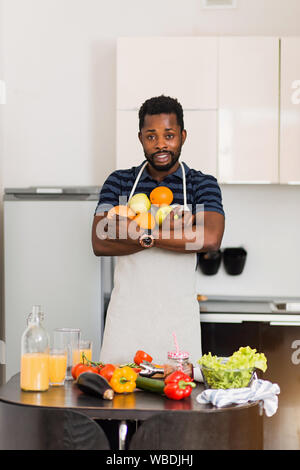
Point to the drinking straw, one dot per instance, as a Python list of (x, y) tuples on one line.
[(175, 342), (177, 348)]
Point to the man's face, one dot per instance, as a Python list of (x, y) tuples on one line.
[(162, 139)]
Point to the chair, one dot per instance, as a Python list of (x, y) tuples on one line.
[(34, 428), (226, 429)]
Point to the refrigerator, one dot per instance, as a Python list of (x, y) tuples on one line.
[(49, 261)]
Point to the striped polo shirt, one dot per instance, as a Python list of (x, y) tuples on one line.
[(203, 191)]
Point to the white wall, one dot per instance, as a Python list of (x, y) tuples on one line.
[(58, 126), (59, 65), (265, 220)]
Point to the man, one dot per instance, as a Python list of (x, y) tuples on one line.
[(154, 292)]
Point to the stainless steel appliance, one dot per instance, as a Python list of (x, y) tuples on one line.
[(49, 261)]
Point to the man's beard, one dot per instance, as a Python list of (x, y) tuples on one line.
[(174, 160)]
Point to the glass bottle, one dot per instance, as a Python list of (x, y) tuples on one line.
[(35, 353), (179, 360)]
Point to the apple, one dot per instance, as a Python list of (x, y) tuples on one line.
[(139, 203)]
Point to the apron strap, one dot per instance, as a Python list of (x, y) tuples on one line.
[(185, 206), (137, 180)]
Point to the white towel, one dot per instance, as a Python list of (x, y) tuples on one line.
[(259, 390)]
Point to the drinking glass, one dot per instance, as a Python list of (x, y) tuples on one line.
[(57, 366), (68, 338), (86, 349)]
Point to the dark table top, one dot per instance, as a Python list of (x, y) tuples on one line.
[(138, 405)]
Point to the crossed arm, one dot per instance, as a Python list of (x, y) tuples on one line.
[(187, 234)]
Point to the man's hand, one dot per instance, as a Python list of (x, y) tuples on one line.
[(191, 233), (181, 218), (176, 221), (119, 228), (115, 237)]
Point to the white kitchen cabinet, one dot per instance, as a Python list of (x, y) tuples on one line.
[(198, 152), (200, 148), (248, 109), (290, 111), (129, 151), (182, 67)]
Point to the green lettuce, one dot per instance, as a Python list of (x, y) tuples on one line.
[(233, 372)]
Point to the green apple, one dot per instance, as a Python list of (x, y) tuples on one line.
[(139, 203), (162, 213)]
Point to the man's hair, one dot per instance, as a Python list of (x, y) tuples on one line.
[(161, 105)]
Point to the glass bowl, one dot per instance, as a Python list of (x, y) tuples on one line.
[(227, 378)]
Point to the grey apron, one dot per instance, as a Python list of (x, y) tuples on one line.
[(154, 295)]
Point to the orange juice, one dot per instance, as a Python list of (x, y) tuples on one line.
[(57, 368), (35, 372), (77, 355), (87, 353)]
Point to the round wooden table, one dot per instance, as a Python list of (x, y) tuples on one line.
[(138, 406)]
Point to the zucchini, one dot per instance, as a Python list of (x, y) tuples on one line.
[(150, 385), (95, 385)]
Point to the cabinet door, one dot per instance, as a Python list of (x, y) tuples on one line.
[(198, 152), (129, 151), (290, 111), (248, 109), (200, 148), (182, 67)]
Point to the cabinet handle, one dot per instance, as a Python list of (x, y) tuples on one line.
[(219, 319), (284, 323)]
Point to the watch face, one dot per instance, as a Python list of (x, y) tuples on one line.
[(147, 241)]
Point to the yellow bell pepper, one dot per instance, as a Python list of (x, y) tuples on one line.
[(123, 380)]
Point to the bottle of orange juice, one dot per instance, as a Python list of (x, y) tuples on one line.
[(35, 353)]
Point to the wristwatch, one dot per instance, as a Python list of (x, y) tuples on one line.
[(146, 240)]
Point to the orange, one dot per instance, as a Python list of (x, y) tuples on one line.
[(161, 195), (145, 220), (122, 211)]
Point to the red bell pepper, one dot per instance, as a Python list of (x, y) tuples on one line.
[(178, 385), (141, 356)]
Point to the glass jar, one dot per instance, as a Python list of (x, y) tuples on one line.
[(179, 360), (35, 354)]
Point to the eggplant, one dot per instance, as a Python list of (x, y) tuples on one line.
[(95, 385)]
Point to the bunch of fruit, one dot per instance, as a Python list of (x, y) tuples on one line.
[(140, 208)]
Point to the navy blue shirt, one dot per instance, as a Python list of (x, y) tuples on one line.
[(203, 191)]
